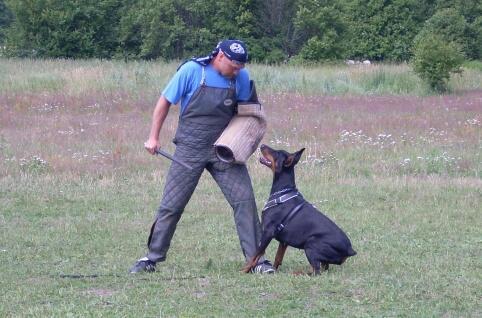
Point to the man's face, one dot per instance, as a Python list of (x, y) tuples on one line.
[(227, 68)]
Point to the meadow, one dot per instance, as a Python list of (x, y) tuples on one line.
[(395, 165)]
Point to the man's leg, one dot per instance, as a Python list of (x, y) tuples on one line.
[(179, 187), (235, 183)]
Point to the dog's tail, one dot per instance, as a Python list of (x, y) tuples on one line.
[(351, 252)]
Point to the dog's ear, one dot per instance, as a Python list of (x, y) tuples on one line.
[(293, 158)]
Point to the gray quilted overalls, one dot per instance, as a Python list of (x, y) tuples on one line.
[(206, 116)]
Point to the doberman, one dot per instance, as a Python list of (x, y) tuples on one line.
[(292, 221)]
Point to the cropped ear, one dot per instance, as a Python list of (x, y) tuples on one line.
[(293, 158)]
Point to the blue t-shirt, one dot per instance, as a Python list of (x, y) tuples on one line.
[(188, 79)]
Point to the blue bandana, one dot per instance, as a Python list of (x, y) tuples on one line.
[(235, 51)]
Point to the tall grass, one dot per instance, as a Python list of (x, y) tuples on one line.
[(73, 78), (398, 168)]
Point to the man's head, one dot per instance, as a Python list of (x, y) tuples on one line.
[(235, 51), (231, 57)]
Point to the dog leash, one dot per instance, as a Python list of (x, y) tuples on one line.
[(288, 218)]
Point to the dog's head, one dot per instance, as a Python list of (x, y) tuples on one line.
[(277, 160)]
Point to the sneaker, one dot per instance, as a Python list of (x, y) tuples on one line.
[(263, 268), (144, 265)]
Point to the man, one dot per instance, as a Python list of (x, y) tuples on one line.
[(209, 89)]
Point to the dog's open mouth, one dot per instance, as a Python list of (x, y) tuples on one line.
[(265, 161)]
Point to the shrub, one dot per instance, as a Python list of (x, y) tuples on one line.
[(434, 59)]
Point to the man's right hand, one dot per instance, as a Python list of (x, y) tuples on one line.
[(151, 145)]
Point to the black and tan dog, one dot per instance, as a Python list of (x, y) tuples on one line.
[(292, 221)]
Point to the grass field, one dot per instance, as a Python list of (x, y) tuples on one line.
[(398, 168)]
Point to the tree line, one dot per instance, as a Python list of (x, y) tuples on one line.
[(274, 30)]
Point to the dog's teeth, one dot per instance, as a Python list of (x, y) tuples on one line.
[(265, 161)]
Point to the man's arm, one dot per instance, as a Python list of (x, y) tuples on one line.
[(160, 114)]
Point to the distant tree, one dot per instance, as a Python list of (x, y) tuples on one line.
[(149, 29), (129, 36), (275, 39), (274, 30), (5, 19), (179, 29), (470, 9), (58, 28), (435, 59), (447, 14), (475, 33), (324, 29), (449, 24), (384, 29)]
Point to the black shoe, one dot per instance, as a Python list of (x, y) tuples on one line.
[(144, 265), (263, 268)]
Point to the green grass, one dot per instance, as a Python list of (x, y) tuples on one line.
[(400, 174)]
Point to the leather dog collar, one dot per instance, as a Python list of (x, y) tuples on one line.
[(281, 199)]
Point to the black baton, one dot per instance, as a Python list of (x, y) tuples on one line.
[(168, 156)]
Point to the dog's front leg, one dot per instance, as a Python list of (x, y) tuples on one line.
[(266, 238), (253, 261), (280, 254)]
